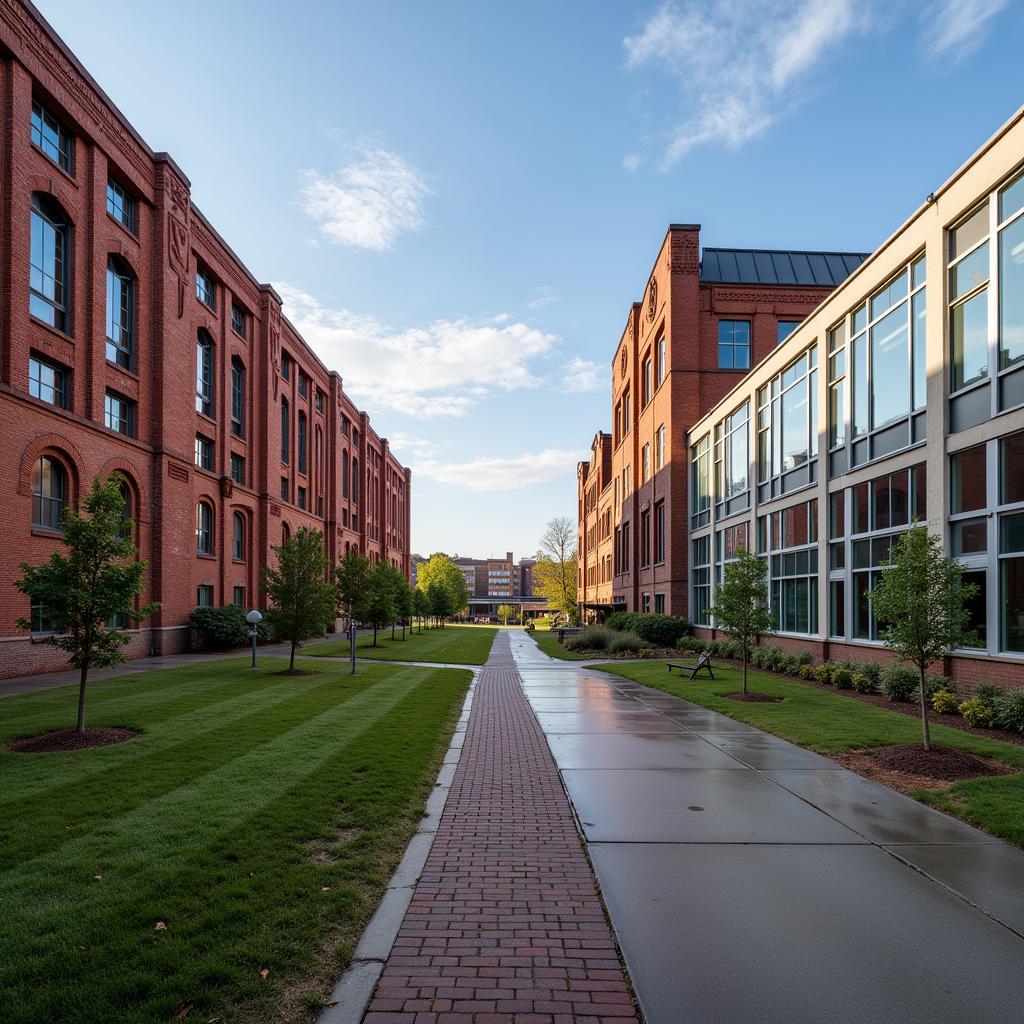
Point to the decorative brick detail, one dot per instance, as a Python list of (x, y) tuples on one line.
[(506, 924)]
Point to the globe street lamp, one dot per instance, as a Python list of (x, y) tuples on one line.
[(254, 619)]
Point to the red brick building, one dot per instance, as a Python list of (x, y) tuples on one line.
[(705, 320), (133, 341)]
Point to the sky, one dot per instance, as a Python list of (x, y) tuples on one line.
[(458, 201)]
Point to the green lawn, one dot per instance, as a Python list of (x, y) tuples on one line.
[(828, 722), (548, 643), (454, 645), (258, 815)]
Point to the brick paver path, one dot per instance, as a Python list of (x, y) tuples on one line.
[(505, 926)]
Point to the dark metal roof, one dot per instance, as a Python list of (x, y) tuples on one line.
[(778, 266)]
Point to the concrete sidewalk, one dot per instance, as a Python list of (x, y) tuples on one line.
[(751, 880)]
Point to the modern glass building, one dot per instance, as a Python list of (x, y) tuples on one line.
[(900, 399)]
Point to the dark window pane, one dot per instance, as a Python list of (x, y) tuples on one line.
[(1011, 471), (967, 480)]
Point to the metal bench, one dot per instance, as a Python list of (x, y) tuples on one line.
[(703, 662)]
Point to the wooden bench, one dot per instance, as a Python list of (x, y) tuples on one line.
[(565, 631), (703, 662)]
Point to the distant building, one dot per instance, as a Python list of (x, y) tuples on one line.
[(491, 582)]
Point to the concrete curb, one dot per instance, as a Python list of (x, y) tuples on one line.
[(352, 994)]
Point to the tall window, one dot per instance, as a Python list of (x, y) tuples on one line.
[(47, 382), (786, 417), (286, 432), (237, 468), (1011, 272), (303, 385), (238, 537), (237, 397), (645, 538), (645, 463), (301, 442), (204, 595), (204, 374), (204, 528), (662, 361), (702, 476), (344, 474), (968, 295), (206, 290), (120, 205), (793, 567), (646, 382), (119, 413), (286, 366), (49, 493), (734, 344), (732, 467), (51, 136), (204, 452), (120, 313), (238, 319), (659, 447), (48, 263), (837, 391), (659, 532), (355, 479), (700, 569)]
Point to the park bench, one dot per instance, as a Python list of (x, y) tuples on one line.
[(565, 631), (703, 662)]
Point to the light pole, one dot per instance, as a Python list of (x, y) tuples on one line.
[(254, 618), (352, 643)]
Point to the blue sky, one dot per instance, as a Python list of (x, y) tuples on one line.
[(462, 199)]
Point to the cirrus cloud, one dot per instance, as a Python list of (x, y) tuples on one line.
[(501, 474)]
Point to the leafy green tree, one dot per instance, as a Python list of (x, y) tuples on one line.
[(403, 603), (350, 579), (93, 585), (440, 602), (555, 573), (399, 584), (741, 603), (301, 601), (921, 603), (442, 572), (377, 608), (420, 605), (506, 612)]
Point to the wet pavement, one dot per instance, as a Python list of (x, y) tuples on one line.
[(748, 879)]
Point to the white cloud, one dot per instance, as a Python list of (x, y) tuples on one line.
[(501, 474), (412, 446), (545, 296), (368, 202), (441, 369), (631, 162), (582, 375), (956, 28), (737, 63)]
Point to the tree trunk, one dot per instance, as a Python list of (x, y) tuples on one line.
[(925, 733), (392, 631), (291, 663), (744, 670), (80, 727), (375, 634)]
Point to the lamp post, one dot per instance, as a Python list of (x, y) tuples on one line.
[(254, 618), (352, 643)]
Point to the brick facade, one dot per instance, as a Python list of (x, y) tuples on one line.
[(684, 310), (351, 486)]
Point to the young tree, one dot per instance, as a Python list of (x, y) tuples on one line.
[(399, 585), (555, 572), (506, 612), (420, 605), (403, 603), (440, 604), (377, 608), (442, 572), (94, 584), (741, 603), (350, 579), (301, 601), (921, 604)]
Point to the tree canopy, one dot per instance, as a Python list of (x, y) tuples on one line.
[(555, 573), (442, 572), (87, 592), (350, 579)]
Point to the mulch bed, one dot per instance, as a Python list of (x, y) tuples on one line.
[(68, 739), (754, 698), (908, 767)]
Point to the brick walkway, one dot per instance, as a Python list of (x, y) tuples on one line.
[(505, 926)]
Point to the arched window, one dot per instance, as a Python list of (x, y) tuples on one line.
[(129, 504), (237, 397), (286, 440), (49, 493), (355, 479), (204, 373), (285, 532), (204, 528), (238, 537), (344, 474), (120, 313), (48, 263), (301, 439)]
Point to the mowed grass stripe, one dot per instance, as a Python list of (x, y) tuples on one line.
[(136, 828), (192, 717), (244, 895)]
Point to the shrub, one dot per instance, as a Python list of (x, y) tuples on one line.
[(622, 643), (805, 658), (660, 630), (933, 684), (691, 643), (1009, 711), (861, 683), (823, 673), (873, 671), (791, 665), (220, 629), (977, 714), (593, 638), (806, 671), (988, 694), (842, 678), (945, 702), (899, 683)]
